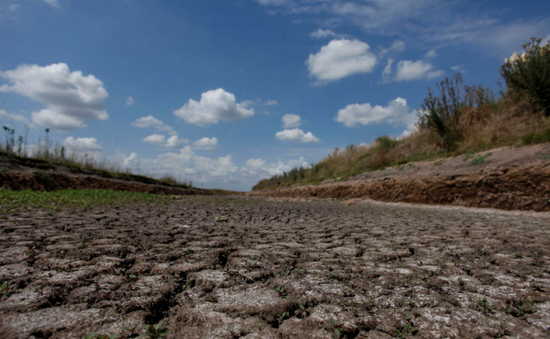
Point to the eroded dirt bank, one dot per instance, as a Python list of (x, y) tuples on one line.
[(506, 178), (18, 173), (276, 270)]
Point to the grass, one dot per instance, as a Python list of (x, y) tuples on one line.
[(14, 201)]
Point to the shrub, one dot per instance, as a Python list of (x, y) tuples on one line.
[(529, 75)]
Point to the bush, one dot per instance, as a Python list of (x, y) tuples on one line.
[(529, 75)]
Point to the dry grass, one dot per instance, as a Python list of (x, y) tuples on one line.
[(504, 122)]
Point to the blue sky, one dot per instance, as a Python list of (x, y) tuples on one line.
[(225, 93)]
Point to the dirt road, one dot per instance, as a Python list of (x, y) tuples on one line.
[(229, 268)]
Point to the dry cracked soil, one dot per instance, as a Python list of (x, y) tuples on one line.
[(258, 268)]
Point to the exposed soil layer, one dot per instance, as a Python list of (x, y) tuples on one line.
[(20, 173), (275, 269), (505, 178)]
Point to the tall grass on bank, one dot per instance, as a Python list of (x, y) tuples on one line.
[(454, 119), (14, 201), (75, 160)]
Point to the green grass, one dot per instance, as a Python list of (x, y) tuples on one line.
[(13, 201)]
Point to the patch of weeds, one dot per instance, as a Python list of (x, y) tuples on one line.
[(503, 330), (154, 331), (283, 274), (335, 327), (480, 160), (439, 162), (468, 156), (282, 292), (302, 311), (517, 255), (234, 333), (484, 307), (520, 311), (82, 245), (6, 290), (94, 335), (13, 201), (546, 157), (408, 329)]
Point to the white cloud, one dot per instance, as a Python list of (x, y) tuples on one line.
[(14, 7), (397, 46), (260, 169), (396, 113), (322, 33), (431, 54), (214, 105), (82, 144), (202, 168), (209, 144), (130, 101), (296, 135), (386, 73), (15, 117), (341, 58), (71, 97), (53, 3), (150, 121), (160, 140), (458, 68), (291, 121), (414, 70), (271, 103), (133, 163)]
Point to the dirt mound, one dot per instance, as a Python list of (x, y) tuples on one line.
[(20, 173), (275, 269), (505, 178)]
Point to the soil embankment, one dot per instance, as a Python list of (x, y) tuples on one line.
[(505, 178), (20, 173)]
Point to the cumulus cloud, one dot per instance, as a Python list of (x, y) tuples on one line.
[(408, 70), (291, 121), (396, 113), (132, 162), (82, 144), (271, 103), (129, 101), (150, 121), (209, 144), (296, 135), (214, 105), (340, 59), (70, 97), (160, 140), (259, 168), (201, 168)]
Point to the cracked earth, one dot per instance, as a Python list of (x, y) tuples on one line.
[(257, 268)]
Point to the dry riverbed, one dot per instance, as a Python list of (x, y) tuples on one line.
[(252, 268)]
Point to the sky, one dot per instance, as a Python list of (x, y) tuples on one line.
[(226, 93)]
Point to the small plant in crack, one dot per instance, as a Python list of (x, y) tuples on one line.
[(281, 317), (6, 290), (155, 331), (335, 327), (484, 307), (503, 330), (521, 310), (235, 333), (212, 298), (282, 292), (82, 245), (408, 328)]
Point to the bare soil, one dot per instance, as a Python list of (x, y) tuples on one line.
[(379, 270), (508, 178)]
